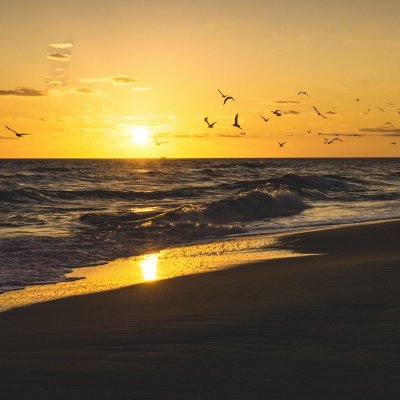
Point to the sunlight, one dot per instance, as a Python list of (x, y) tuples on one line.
[(149, 267), (140, 134)]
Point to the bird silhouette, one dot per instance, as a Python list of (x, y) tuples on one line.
[(228, 98), (243, 133), (157, 142), (265, 119), (302, 92), (278, 113), (309, 131), (321, 115), (18, 134), (393, 143), (380, 109), (357, 99), (389, 124), (236, 124), (281, 144), (209, 125)]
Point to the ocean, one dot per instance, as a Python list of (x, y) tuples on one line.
[(56, 214)]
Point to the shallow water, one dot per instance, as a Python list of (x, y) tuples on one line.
[(56, 215)]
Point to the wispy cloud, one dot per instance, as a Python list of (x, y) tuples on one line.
[(331, 113), (23, 92), (287, 102), (141, 89), (291, 112), (62, 46), (83, 90), (380, 129), (57, 56), (120, 80)]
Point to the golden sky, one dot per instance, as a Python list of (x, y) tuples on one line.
[(106, 78)]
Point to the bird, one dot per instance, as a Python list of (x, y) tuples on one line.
[(380, 109), (281, 144), (209, 125), (157, 142), (278, 113), (302, 92), (393, 143), (309, 131), (243, 133), (389, 123), (320, 133), (18, 134), (327, 141), (323, 116), (265, 119), (236, 124), (228, 98), (357, 99)]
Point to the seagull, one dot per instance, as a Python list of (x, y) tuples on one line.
[(265, 119), (389, 123), (278, 113), (243, 133), (18, 134), (323, 116), (309, 131), (302, 92), (157, 142), (228, 98), (209, 125), (357, 99), (236, 124), (380, 109), (281, 144), (332, 140)]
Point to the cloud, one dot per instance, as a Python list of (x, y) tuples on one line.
[(287, 102), (23, 92), (331, 113), (380, 129), (141, 89), (61, 46), (291, 112), (120, 80), (84, 91), (58, 56)]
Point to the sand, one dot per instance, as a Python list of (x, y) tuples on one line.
[(316, 327)]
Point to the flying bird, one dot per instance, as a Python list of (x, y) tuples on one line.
[(357, 99), (209, 125), (243, 133), (302, 92), (265, 119), (18, 134), (393, 143), (380, 109), (228, 98), (236, 124), (278, 113), (321, 115), (281, 144), (389, 123), (157, 142), (309, 131)]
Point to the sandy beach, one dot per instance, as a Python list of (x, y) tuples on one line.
[(314, 327)]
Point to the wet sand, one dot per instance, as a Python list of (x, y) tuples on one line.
[(316, 327)]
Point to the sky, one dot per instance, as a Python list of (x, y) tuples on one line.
[(128, 78)]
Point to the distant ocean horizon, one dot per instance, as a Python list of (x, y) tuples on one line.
[(57, 214)]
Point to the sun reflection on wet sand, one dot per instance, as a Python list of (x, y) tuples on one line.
[(165, 264), (149, 267)]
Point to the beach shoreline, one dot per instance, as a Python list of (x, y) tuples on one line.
[(315, 327)]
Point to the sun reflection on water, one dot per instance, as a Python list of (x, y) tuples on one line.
[(149, 267)]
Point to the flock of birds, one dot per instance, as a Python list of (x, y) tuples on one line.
[(278, 113)]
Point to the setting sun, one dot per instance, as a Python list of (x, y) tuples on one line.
[(140, 134)]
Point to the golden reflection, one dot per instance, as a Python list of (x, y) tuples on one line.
[(149, 267)]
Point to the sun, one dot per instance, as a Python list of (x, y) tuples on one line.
[(140, 134)]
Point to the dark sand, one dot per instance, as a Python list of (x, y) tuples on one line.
[(319, 327)]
